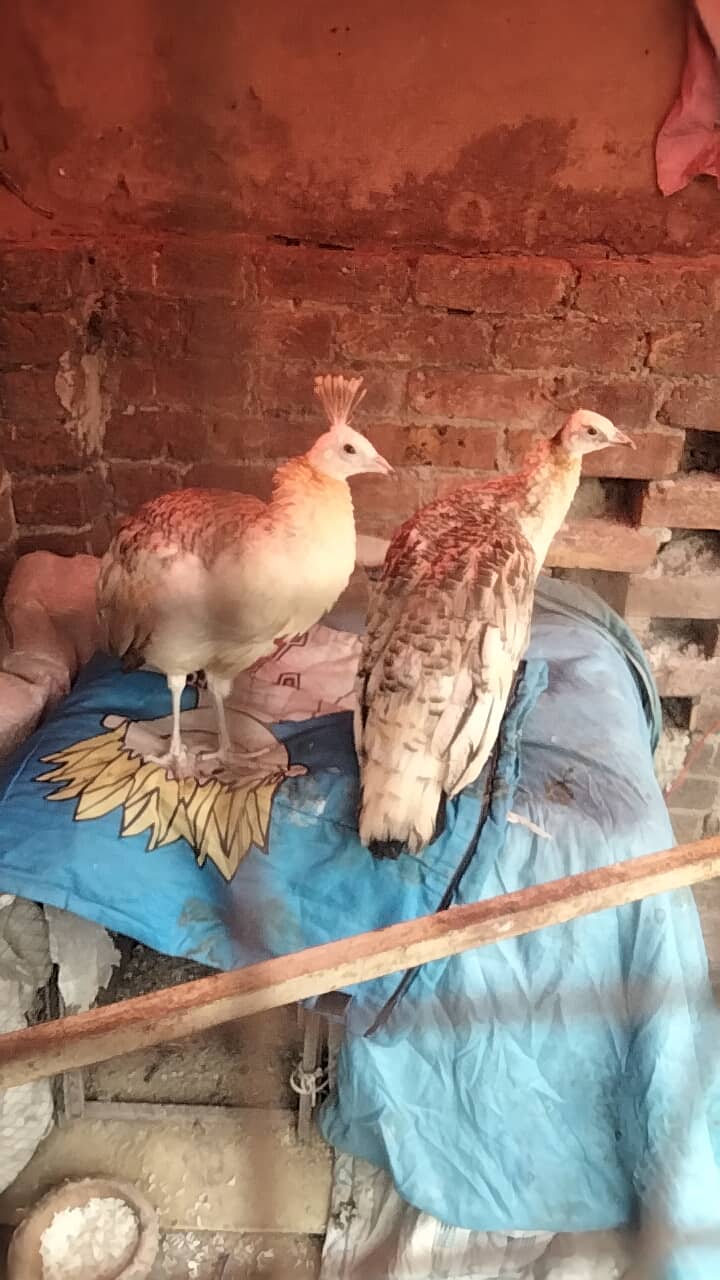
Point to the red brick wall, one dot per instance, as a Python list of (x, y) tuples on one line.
[(133, 366)]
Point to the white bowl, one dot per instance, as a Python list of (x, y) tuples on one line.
[(24, 1260)]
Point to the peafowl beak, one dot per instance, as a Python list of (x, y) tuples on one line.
[(379, 464), (620, 438)]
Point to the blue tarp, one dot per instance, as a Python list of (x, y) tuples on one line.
[(560, 1081)]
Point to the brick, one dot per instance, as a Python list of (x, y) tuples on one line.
[(220, 327), (438, 482), (145, 326), (704, 757), (185, 268), (705, 715), (507, 286), (7, 564), (59, 500), (597, 543), (201, 383), (656, 454), (610, 586), (135, 381), (695, 406), (133, 483), (383, 502), (628, 402), (234, 439), (686, 595), (29, 338), (127, 264), (690, 502), (36, 277), (7, 514), (575, 341), (158, 432), (253, 480), (62, 542), (711, 827), (102, 530), (424, 445), (661, 290), (287, 387), (691, 350), (28, 395), (697, 793), (294, 333), (185, 434), (32, 446), (413, 337), (332, 275), (488, 397), (687, 825), (681, 676)]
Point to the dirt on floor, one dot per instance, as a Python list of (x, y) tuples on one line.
[(203, 1255), (242, 1064), (193, 1255)]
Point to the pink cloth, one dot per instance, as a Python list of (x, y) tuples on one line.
[(688, 143)]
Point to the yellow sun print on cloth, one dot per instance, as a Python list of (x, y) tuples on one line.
[(221, 815)]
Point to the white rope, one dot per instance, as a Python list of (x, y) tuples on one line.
[(309, 1084), (522, 821)]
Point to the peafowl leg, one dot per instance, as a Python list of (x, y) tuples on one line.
[(177, 761), (219, 691), (226, 753)]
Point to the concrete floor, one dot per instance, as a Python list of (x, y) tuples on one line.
[(237, 1195), (242, 1064), (204, 1255)]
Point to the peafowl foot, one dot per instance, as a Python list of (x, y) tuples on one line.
[(177, 764)]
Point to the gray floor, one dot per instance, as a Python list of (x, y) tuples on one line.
[(244, 1065)]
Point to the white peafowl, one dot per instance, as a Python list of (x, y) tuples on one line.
[(447, 629), (209, 580)]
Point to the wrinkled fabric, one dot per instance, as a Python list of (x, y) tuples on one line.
[(94, 807), (371, 1232), (567, 1079), (563, 1081), (688, 143)]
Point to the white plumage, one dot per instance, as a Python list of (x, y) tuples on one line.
[(210, 580)]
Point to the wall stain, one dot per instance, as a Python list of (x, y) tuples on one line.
[(201, 151)]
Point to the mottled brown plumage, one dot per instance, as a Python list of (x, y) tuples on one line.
[(447, 628), (209, 580)]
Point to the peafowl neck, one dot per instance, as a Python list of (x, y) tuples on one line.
[(312, 507), (548, 484)]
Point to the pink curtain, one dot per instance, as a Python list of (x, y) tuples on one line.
[(688, 143)]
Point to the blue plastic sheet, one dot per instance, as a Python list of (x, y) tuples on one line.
[(560, 1081)]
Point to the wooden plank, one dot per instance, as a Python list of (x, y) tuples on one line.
[(254, 1120), (192, 1007)]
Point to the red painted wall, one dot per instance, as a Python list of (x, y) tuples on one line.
[(488, 126)]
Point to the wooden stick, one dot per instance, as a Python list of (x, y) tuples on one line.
[(81, 1039)]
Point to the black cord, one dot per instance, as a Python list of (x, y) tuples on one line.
[(403, 986)]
